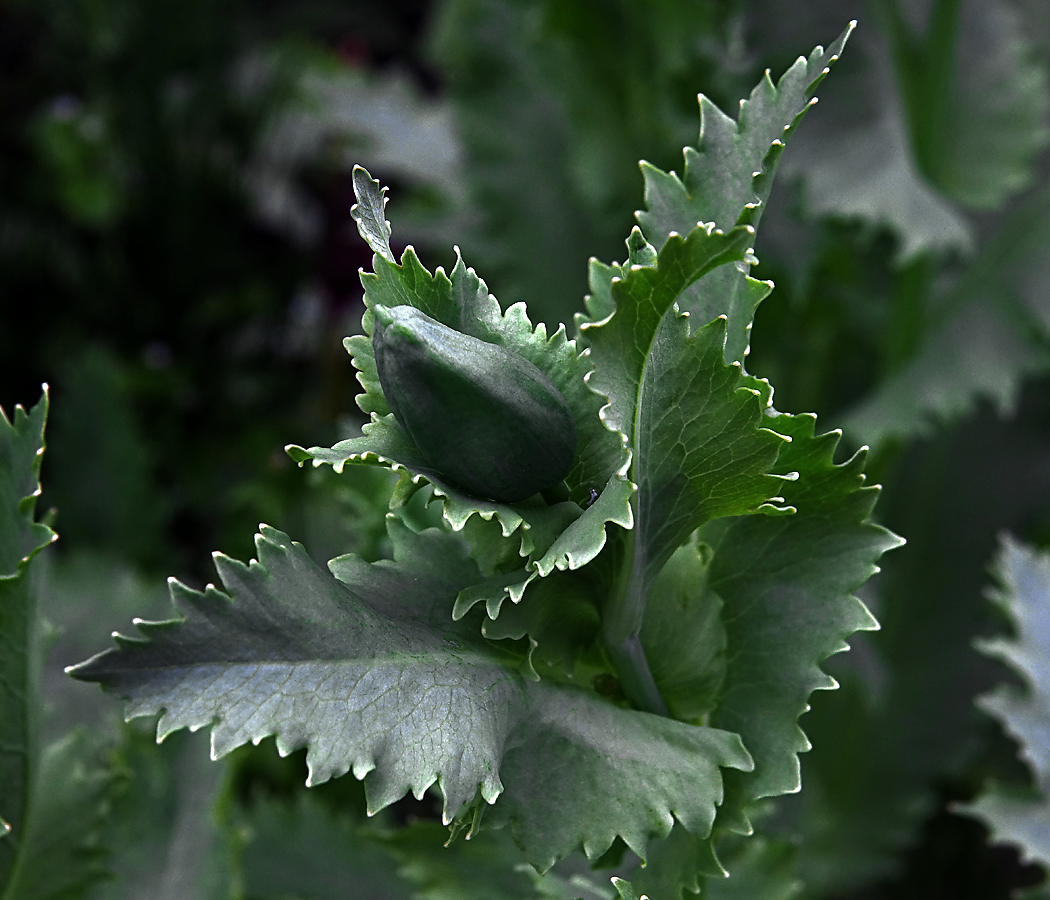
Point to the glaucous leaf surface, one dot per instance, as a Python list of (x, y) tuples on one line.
[(374, 676), (727, 179), (1018, 816)]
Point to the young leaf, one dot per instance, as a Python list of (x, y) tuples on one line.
[(462, 302), (21, 452), (1025, 713), (371, 673), (693, 425), (731, 169)]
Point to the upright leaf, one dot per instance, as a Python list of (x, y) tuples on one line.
[(21, 538), (731, 169), (1019, 816)]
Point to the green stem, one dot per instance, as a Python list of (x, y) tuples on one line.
[(622, 626), (925, 73), (908, 304)]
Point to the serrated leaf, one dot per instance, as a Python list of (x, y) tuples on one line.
[(370, 213), (862, 167), (755, 866), (881, 747), (734, 161), (373, 676), (1024, 712), (461, 301), (981, 145), (731, 169), (620, 342), (692, 423), (699, 449), (680, 865), (21, 452), (487, 867), (787, 585)]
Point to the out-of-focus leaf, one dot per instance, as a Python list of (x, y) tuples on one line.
[(1024, 712), (994, 332), (931, 109), (301, 849), (102, 475), (166, 839), (881, 747), (554, 124), (62, 853)]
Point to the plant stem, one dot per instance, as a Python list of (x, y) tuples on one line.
[(622, 626)]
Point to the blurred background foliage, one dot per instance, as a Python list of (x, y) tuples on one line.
[(178, 261)]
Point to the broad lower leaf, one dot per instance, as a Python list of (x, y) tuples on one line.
[(21, 538), (1015, 816), (371, 673)]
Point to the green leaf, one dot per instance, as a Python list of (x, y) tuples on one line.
[(759, 866), (1013, 816), (21, 452), (734, 161), (992, 333), (699, 449), (61, 853), (692, 423), (683, 635), (370, 213), (373, 676), (487, 867), (626, 890), (462, 301), (881, 747), (978, 138), (787, 585), (620, 341), (731, 169), (856, 161), (165, 829), (300, 848)]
